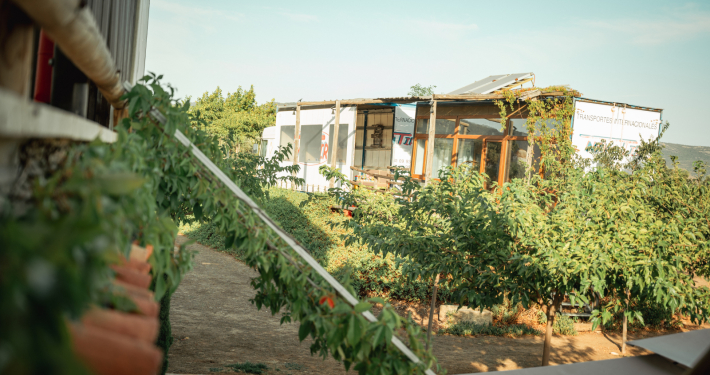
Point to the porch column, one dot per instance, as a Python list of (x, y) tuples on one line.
[(429, 163), (334, 146), (296, 140)]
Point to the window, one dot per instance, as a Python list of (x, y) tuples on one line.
[(500, 153), (443, 150), (493, 160), (342, 143), (311, 139), (469, 152), (479, 126), (264, 146), (443, 126), (419, 160), (521, 158), (520, 127), (286, 138)]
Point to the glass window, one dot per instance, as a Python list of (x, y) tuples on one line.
[(443, 149), (520, 159), (493, 160), (469, 151), (520, 127), (422, 126), (421, 152), (342, 143), (286, 138), (264, 146), (311, 139), (443, 126), (480, 126)]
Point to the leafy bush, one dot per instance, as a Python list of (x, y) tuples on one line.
[(506, 312), (248, 367), (308, 218), (564, 325), (472, 329), (654, 316)]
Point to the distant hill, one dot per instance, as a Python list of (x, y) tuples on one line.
[(686, 155)]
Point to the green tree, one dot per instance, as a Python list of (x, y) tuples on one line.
[(628, 232), (419, 90), (236, 120), (285, 284)]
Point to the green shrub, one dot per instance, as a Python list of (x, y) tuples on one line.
[(506, 312), (307, 218), (655, 316), (564, 325), (472, 329), (248, 367)]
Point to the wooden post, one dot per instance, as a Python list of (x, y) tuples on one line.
[(296, 141), (334, 146), (429, 165), (16, 54)]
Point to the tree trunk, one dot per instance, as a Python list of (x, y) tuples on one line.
[(431, 313), (551, 310), (165, 336), (623, 336)]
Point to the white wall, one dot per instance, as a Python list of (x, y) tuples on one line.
[(323, 117)]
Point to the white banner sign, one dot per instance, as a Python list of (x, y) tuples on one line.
[(403, 135), (616, 124)]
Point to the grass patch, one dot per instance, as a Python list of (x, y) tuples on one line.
[(294, 366), (472, 329), (248, 367)]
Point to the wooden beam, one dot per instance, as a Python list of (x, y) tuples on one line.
[(334, 146), (514, 85), (296, 141), (16, 54), (467, 97), (430, 143)]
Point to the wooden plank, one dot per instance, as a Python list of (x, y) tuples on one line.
[(352, 161), (430, 143), (16, 58), (334, 146)]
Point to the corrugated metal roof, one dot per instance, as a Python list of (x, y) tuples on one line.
[(491, 83), (647, 365), (685, 348)]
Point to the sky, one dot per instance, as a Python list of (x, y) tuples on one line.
[(647, 53)]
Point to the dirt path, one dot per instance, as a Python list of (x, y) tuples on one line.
[(214, 325)]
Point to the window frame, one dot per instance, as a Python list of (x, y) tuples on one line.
[(503, 139)]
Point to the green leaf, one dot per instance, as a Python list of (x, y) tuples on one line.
[(119, 183), (229, 240), (304, 330), (197, 211), (353, 331), (362, 307)]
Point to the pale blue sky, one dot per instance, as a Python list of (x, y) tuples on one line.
[(647, 53)]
